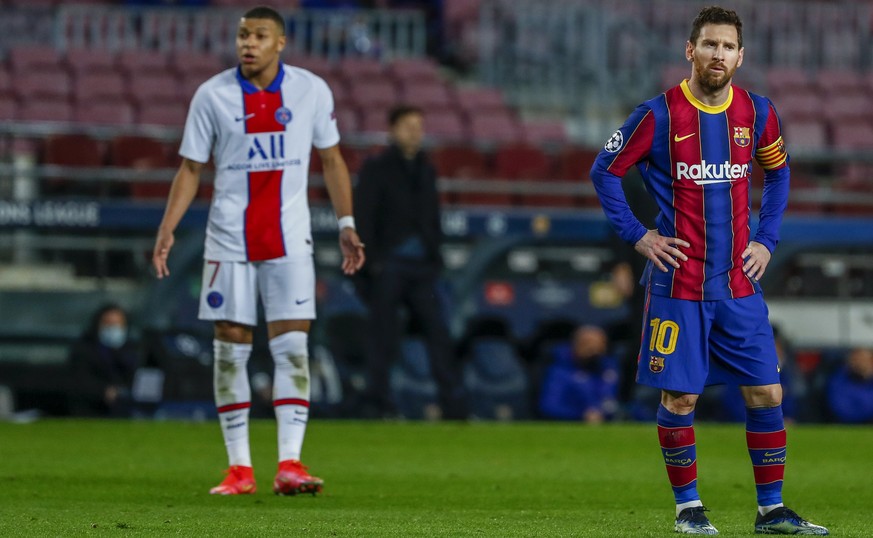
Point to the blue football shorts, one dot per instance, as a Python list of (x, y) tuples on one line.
[(687, 345)]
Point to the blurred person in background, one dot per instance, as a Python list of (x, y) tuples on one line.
[(259, 122), (850, 389), (695, 145), (582, 381), (398, 211), (104, 361)]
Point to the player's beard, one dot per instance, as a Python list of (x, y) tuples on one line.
[(710, 81)]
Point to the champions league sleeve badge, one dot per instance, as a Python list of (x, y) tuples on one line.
[(615, 142)]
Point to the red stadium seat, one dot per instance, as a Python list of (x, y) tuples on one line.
[(374, 121), (414, 70), (460, 162), (23, 59), (853, 136), (46, 110), (90, 61), (498, 128), (375, 93), (141, 153), (780, 79), (318, 65), (545, 132), (38, 85), (800, 104), (355, 69), (833, 82), (347, 120), (480, 100), (805, 135), (8, 108), (521, 161), (848, 107), (99, 86), (153, 88), (72, 150), (170, 114), (673, 74), (108, 113), (132, 61), (197, 64), (574, 163), (447, 125), (428, 94)]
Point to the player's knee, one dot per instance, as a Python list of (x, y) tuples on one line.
[(677, 403), (228, 331), (290, 351), (762, 396)]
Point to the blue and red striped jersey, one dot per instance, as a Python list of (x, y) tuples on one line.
[(696, 161)]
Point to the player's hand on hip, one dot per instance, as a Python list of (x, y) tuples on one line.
[(662, 249), (163, 244), (756, 258), (352, 249)]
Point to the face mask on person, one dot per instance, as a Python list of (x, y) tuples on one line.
[(112, 336)]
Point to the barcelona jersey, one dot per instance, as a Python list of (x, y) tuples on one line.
[(696, 161)]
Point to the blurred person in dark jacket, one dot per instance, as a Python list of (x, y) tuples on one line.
[(850, 389), (582, 381), (398, 213), (104, 360)]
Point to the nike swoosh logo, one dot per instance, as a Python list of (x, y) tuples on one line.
[(711, 181), (246, 117), (298, 301), (231, 418), (674, 454), (677, 138), (771, 454)]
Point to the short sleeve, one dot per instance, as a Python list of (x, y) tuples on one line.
[(199, 128), (325, 133)]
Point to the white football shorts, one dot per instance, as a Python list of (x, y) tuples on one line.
[(286, 287)]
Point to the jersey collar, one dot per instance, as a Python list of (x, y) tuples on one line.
[(250, 88), (702, 106)]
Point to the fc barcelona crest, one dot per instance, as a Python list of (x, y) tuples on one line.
[(656, 364), (742, 136)]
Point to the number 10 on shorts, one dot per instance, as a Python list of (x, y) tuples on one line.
[(664, 336)]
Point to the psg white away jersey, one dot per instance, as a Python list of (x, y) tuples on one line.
[(260, 141)]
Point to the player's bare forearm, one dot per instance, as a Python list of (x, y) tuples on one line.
[(339, 188), (662, 249), (182, 193), (337, 180)]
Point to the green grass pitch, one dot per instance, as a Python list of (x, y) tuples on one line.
[(101, 478)]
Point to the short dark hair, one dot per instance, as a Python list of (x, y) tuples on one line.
[(399, 111), (716, 15), (264, 12)]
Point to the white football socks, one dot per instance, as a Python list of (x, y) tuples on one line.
[(291, 391), (689, 504), (233, 398)]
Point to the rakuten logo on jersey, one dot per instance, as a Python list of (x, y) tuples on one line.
[(706, 173)]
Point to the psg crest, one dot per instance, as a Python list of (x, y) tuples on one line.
[(656, 364), (283, 115), (742, 136)]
